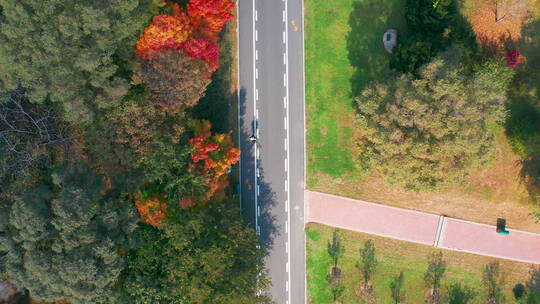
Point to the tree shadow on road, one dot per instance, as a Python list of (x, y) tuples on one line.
[(267, 222), (266, 199)]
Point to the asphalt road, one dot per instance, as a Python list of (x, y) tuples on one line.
[(271, 102)]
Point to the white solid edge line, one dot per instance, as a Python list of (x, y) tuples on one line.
[(238, 97)]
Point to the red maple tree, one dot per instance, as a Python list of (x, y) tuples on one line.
[(194, 32), (513, 58), (203, 49), (214, 14), (212, 157)]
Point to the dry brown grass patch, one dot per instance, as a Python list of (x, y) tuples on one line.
[(494, 191)]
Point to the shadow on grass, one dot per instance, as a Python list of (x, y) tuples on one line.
[(368, 21), (523, 122)]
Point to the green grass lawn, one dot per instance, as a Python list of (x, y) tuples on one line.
[(344, 53), (394, 256)]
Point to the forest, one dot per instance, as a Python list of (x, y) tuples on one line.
[(114, 172)]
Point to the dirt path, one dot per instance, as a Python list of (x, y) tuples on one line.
[(420, 227)]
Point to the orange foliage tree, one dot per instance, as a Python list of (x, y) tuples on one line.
[(152, 209), (166, 32), (194, 32), (212, 157)]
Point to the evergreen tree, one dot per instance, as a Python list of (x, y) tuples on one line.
[(168, 169), (428, 133), (64, 241), (64, 50), (202, 255), (458, 294)]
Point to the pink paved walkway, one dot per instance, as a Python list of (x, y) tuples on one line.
[(420, 227)]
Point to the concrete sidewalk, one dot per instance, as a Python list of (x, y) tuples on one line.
[(423, 228)]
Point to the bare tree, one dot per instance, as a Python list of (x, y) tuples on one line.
[(27, 131), (504, 9)]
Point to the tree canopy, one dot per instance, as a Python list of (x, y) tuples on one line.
[(64, 239), (74, 73), (177, 80), (201, 255), (434, 26), (429, 132), (64, 51)]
